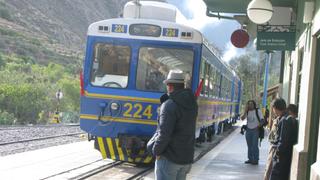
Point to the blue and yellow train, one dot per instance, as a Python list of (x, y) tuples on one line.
[(127, 60)]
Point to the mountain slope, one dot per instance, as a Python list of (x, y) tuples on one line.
[(51, 30)]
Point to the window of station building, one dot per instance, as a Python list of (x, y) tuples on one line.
[(301, 54), (110, 66), (155, 63)]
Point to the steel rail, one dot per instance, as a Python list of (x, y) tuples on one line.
[(97, 171), (38, 139)]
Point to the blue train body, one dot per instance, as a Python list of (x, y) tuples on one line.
[(119, 107)]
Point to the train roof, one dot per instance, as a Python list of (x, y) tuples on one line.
[(163, 15), (153, 10), (107, 28)]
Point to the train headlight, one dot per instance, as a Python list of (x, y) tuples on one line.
[(114, 106)]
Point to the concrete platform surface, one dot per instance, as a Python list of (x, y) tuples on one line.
[(42, 163), (226, 161)]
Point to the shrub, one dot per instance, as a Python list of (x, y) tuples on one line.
[(5, 14), (7, 118)]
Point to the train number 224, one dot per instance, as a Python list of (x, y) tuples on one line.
[(138, 111)]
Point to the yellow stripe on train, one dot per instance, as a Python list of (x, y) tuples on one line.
[(128, 98), (110, 148), (116, 119)]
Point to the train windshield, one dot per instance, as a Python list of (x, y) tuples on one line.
[(155, 63), (110, 65)]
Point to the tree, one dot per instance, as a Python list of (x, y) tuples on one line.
[(2, 61)]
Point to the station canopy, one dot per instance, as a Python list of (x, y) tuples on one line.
[(240, 6)]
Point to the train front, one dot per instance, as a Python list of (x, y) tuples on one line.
[(126, 61), (122, 83), (117, 117)]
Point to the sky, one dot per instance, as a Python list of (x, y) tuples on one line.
[(218, 32)]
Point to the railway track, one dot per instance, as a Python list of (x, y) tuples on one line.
[(15, 127), (117, 170), (103, 169), (16, 139), (41, 138)]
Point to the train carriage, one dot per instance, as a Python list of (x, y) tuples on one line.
[(127, 60)]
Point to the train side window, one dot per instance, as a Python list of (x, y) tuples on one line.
[(213, 76), (110, 66), (154, 65), (202, 75), (207, 79), (210, 81)]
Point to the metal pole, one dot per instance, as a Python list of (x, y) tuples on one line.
[(266, 76)]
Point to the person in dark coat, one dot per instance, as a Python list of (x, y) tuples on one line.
[(175, 136), (286, 137)]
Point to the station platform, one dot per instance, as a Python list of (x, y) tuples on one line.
[(226, 161), (49, 162)]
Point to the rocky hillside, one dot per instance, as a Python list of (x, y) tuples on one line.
[(45, 30)]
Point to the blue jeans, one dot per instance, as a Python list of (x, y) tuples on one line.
[(167, 170), (252, 137)]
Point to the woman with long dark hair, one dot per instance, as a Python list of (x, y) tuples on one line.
[(254, 120)]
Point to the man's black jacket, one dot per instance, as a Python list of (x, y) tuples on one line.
[(176, 127)]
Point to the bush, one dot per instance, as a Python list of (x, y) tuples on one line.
[(70, 117), (5, 14), (26, 101), (7, 118), (2, 61)]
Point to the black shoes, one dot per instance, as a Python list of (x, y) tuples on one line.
[(247, 162), (251, 162)]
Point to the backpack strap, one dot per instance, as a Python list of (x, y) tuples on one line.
[(257, 114)]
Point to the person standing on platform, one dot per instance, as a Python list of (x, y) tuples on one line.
[(254, 121), (266, 117), (279, 109), (285, 138), (293, 111), (173, 142)]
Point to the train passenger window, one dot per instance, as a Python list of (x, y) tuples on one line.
[(155, 63), (202, 75), (110, 65)]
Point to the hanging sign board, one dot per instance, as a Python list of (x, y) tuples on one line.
[(276, 37)]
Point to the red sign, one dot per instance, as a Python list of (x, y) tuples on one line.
[(240, 38)]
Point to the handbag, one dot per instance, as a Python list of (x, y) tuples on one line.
[(260, 127), (261, 132), (151, 142)]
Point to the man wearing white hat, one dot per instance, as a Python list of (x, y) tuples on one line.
[(174, 143)]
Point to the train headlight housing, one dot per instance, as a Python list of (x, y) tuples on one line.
[(115, 106)]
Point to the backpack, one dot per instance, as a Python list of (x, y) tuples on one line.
[(261, 126)]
